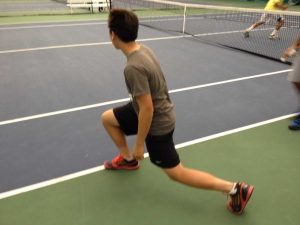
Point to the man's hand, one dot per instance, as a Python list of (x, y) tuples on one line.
[(138, 152), (287, 54)]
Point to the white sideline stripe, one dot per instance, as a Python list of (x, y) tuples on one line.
[(6, 122), (108, 42), (52, 47), (86, 44), (214, 136), (100, 168), (229, 81), (62, 111), (50, 182), (53, 25)]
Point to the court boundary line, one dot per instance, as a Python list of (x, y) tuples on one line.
[(64, 111), (181, 36), (87, 44), (68, 177), (64, 24)]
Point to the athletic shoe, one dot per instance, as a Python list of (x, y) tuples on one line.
[(295, 124), (246, 34), (273, 36), (238, 201), (120, 163)]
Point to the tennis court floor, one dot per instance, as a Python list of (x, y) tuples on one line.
[(266, 156)]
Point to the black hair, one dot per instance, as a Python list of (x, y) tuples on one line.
[(124, 24)]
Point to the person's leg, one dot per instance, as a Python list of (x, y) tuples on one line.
[(262, 21), (113, 128), (279, 24), (295, 124), (255, 25), (163, 154), (198, 179), (120, 122), (239, 193)]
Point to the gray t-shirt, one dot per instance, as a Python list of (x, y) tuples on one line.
[(143, 75)]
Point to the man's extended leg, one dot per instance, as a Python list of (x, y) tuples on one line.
[(198, 179), (239, 193)]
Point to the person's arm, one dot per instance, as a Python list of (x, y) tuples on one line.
[(145, 118), (290, 51), (281, 6), (296, 44)]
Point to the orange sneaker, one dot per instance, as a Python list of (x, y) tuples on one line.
[(238, 201), (120, 163)]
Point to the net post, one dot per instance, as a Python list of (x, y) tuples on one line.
[(184, 19)]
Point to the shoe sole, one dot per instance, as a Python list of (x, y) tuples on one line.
[(109, 166), (294, 128), (274, 38), (244, 203)]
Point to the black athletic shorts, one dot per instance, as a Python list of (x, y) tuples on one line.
[(161, 148)]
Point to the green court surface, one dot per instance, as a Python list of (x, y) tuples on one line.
[(267, 156)]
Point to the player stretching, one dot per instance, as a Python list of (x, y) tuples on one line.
[(272, 5), (150, 116)]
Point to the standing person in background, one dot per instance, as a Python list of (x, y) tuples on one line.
[(272, 5), (150, 115), (294, 75)]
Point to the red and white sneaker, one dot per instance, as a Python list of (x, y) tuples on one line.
[(238, 201), (120, 163)]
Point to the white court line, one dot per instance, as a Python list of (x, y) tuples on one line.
[(139, 40), (17, 120), (53, 47), (52, 25), (62, 111), (100, 168), (85, 44), (229, 81)]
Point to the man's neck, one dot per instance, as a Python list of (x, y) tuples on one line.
[(130, 47)]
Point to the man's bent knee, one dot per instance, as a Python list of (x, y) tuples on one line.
[(108, 118), (105, 117)]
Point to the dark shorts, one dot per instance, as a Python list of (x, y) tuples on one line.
[(161, 148)]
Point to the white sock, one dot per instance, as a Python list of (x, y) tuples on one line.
[(250, 28), (233, 190), (128, 158), (274, 32)]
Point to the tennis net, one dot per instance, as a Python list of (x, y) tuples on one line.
[(219, 25)]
